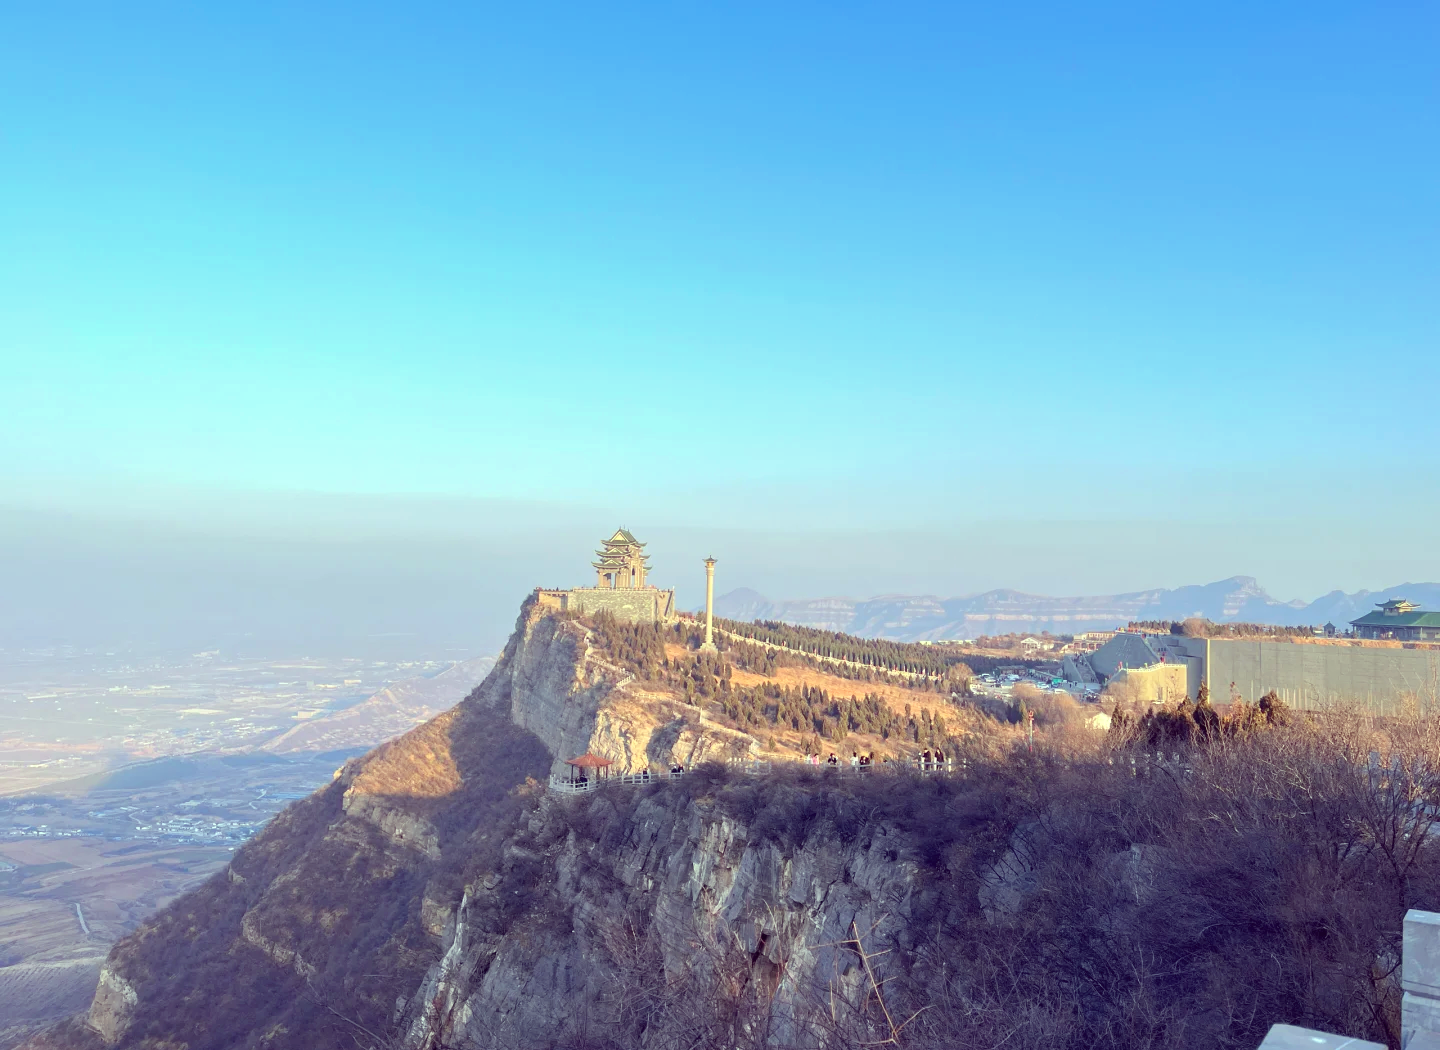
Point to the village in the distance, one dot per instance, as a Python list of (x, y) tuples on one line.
[(127, 777)]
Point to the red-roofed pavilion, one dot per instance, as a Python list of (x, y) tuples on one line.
[(588, 762)]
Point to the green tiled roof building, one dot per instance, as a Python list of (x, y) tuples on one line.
[(1399, 620)]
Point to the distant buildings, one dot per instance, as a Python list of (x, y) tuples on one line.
[(1399, 620)]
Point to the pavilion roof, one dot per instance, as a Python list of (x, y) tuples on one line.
[(621, 557), (589, 761), (1413, 618)]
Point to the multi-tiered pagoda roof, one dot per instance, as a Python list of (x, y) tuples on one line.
[(621, 551)]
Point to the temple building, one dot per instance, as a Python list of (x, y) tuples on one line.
[(622, 562), (621, 588), (1401, 620)]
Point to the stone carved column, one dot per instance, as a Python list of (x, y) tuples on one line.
[(709, 646)]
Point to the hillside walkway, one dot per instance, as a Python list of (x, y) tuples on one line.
[(914, 676), (1145, 764), (950, 766)]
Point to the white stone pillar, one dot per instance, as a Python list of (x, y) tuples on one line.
[(709, 645), (1420, 978)]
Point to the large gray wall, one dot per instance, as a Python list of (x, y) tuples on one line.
[(1319, 676), (645, 604)]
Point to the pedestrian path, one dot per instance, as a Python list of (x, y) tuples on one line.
[(580, 785)]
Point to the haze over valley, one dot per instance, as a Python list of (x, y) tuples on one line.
[(127, 778)]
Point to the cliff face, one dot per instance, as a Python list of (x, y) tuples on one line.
[(354, 898), (668, 919), (553, 681), (437, 897)]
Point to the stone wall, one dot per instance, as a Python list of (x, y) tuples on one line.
[(1313, 677), (637, 605), (1307, 677)]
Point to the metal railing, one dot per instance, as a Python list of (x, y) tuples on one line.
[(567, 786), (757, 767)]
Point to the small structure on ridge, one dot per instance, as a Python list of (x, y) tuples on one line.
[(709, 646), (621, 588)]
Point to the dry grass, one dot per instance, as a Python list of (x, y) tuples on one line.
[(420, 764)]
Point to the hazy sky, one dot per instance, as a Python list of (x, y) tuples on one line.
[(1061, 296)]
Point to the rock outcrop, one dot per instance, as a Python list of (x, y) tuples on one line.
[(406, 869), (114, 1000), (553, 681), (688, 897)]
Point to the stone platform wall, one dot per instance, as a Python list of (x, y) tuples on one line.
[(640, 605)]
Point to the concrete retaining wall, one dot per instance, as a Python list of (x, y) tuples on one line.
[(1312, 677)]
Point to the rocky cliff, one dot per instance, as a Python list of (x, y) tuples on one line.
[(667, 915), (437, 896), (556, 681), (352, 899)]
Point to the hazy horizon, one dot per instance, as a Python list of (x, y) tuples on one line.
[(308, 572), (322, 328)]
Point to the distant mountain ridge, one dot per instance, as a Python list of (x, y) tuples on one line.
[(913, 618)]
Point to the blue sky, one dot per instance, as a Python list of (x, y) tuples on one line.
[(859, 266)]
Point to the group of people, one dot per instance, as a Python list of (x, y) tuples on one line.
[(857, 760), (930, 758), (646, 775)]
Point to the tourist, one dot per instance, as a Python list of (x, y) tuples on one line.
[(832, 761), (854, 760)]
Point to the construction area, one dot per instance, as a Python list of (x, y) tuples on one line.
[(1306, 674)]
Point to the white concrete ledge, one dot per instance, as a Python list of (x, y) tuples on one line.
[(1288, 1037)]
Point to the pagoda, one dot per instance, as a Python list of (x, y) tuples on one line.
[(622, 588), (621, 564)]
